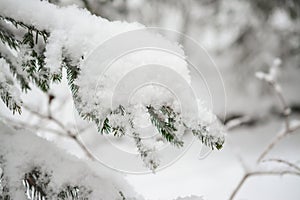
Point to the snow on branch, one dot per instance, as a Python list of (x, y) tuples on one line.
[(10, 94), (36, 168), (38, 45)]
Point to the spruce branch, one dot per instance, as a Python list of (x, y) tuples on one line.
[(31, 69), (209, 140), (4, 189), (147, 154), (164, 120), (8, 99), (106, 128), (117, 129), (122, 195), (9, 39), (73, 72), (30, 28), (22, 80), (8, 90), (36, 183), (70, 192)]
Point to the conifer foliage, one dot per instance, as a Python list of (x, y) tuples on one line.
[(24, 62)]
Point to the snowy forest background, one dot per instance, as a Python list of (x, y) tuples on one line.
[(256, 46)]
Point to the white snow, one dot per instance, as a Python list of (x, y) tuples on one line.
[(7, 82), (23, 150)]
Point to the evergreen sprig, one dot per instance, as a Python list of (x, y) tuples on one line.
[(122, 195), (23, 81), (31, 69), (117, 130), (36, 183), (73, 193), (146, 153), (30, 28), (203, 134), (106, 128), (73, 72), (9, 39), (9, 100), (4, 189), (164, 120)]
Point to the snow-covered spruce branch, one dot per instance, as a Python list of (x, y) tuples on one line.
[(166, 121), (147, 154), (35, 169), (36, 48), (289, 128)]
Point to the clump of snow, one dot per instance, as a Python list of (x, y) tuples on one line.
[(54, 52), (22, 151)]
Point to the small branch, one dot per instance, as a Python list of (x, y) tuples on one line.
[(83, 147), (292, 165), (70, 134), (238, 187), (17, 124), (286, 110), (234, 123), (260, 173), (276, 140), (270, 78)]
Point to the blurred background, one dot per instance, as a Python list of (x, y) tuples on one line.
[(242, 37)]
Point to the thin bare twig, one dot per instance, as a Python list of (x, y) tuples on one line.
[(286, 110), (292, 165), (70, 134), (19, 124), (260, 173), (276, 140), (288, 129)]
